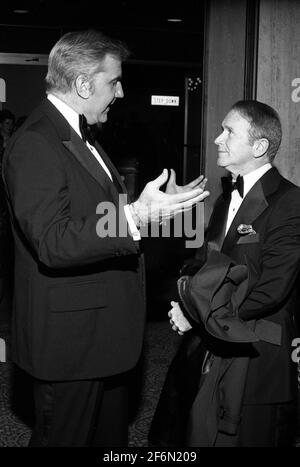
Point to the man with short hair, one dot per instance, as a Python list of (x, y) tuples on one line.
[(78, 314), (256, 221)]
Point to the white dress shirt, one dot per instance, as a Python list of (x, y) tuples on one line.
[(236, 200), (72, 118)]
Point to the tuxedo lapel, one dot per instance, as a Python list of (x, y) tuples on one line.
[(217, 226), (113, 170), (252, 206), (79, 149), (84, 156)]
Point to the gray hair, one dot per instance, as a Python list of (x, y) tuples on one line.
[(80, 52)]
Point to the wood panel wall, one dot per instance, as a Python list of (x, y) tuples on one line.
[(224, 66), (278, 76)]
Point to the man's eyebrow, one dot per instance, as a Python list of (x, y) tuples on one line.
[(227, 127), (117, 78)]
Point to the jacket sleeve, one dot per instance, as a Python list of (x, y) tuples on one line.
[(39, 198), (280, 263)]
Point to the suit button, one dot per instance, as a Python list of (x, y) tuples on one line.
[(225, 327)]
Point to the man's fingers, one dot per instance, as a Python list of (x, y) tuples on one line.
[(203, 183), (172, 178), (197, 199), (161, 179), (185, 205), (196, 182), (184, 196)]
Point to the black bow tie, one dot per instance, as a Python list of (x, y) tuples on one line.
[(86, 131), (229, 185)]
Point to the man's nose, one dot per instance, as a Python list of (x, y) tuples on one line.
[(119, 90), (219, 138)]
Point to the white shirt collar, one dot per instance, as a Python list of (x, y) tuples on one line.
[(70, 114), (252, 177)]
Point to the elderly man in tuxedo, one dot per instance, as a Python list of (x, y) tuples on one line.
[(255, 223), (78, 313)]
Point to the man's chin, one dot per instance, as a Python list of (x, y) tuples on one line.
[(103, 118)]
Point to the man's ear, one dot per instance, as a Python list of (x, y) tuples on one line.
[(83, 86), (261, 147)]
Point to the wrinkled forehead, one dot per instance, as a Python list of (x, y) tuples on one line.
[(235, 118), (110, 63)]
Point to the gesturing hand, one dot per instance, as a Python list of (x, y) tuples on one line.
[(154, 205), (172, 188)]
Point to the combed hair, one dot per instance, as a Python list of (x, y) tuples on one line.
[(80, 52), (264, 123)]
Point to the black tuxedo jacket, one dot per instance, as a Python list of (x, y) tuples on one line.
[(78, 303), (272, 209)]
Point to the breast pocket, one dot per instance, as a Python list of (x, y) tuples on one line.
[(77, 296), (251, 238)]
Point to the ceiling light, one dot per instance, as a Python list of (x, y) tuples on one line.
[(21, 12), (174, 20)]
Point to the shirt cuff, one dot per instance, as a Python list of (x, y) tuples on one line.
[(132, 226)]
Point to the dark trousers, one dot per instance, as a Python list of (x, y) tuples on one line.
[(265, 425), (271, 425), (81, 413)]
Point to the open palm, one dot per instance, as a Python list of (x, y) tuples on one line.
[(173, 188)]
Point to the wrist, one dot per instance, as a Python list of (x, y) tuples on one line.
[(136, 212)]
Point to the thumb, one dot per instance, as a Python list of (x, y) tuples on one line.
[(172, 178), (161, 179)]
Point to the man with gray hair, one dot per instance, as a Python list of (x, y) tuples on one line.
[(78, 315)]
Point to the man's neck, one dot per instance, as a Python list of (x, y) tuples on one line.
[(243, 171), (69, 100), (254, 175)]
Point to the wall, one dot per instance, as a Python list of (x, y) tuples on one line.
[(224, 65), (279, 67)]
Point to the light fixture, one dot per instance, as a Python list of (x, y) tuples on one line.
[(20, 12), (194, 83), (174, 20)]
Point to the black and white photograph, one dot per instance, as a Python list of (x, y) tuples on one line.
[(149, 227)]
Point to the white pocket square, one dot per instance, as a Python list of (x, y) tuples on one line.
[(244, 229)]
